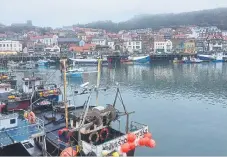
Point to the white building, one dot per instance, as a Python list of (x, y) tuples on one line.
[(9, 45), (47, 40), (132, 46), (111, 44), (163, 46), (224, 33), (54, 49), (99, 41)]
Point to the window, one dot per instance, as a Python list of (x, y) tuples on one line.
[(10, 45), (14, 45), (3, 45), (12, 121), (0, 45), (137, 47), (137, 43)]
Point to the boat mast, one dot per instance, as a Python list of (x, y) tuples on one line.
[(64, 98), (98, 80)]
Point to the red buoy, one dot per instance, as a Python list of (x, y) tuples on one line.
[(125, 148), (131, 137), (146, 141), (142, 142), (149, 135), (132, 145), (151, 143)]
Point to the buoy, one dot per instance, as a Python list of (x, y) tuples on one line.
[(25, 114), (149, 135), (115, 154), (132, 145), (151, 143), (142, 142), (125, 147), (131, 137), (146, 141)]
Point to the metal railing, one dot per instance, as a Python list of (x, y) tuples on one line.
[(19, 133)]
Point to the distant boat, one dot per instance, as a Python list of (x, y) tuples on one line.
[(88, 61), (75, 72), (42, 62), (137, 60), (219, 57), (191, 60)]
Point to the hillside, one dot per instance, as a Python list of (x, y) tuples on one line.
[(212, 17)]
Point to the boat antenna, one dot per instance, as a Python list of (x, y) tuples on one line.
[(98, 80), (64, 98)]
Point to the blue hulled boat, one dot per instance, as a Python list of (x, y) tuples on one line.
[(140, 60), (42, 63)]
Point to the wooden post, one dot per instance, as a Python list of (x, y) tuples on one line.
[(64, 98)]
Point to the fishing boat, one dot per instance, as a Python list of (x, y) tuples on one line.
[(75, 72), (5, 89), (88, 61), (86, 130), (21, 134), (217, 57), (137, 60), (8, 78), (191, 60), (42, 62)]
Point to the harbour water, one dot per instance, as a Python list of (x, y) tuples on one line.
[(183, 104)]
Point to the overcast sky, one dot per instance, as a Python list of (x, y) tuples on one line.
[(56, 13)]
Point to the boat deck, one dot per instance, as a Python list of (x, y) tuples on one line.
[(22, 132)]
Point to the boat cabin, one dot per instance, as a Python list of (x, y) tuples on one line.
[(5, 88), (8, 121), (29, 83)]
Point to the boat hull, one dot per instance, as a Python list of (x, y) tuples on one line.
[(17, 105), (74, 74)]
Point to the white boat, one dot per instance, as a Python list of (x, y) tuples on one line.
[(88, 61), (140, 59), (42, 62), (218, 57), (75, 72)]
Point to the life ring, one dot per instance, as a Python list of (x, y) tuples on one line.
[(92, 135), (31, 117), (104, 133)]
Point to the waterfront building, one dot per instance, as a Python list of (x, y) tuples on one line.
[(163, 46), (9, 45), (48, 40), (133, 46), (214, 43), (189, 46), (99, 41), (54, 49), (111, 44)]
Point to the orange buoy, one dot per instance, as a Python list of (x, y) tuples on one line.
[(142, 142), (149, 135), (68, 152), (151, 143), (146, 141), (31, 117), (131, 137), (125, 147), (132, 145)]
